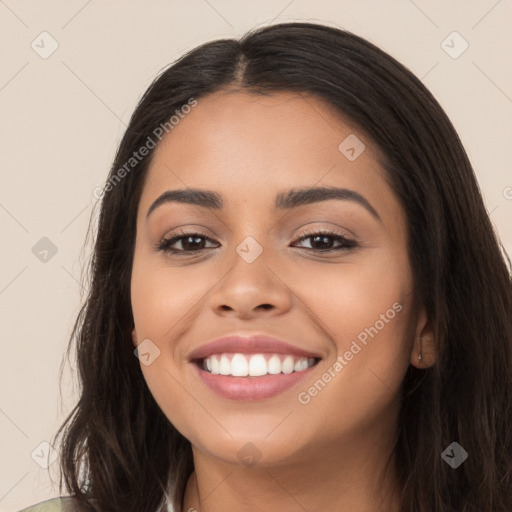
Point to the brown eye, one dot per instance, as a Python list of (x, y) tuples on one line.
[(190, 243), (323, 241)]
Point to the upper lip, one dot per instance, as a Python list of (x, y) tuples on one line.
[(254, 344)]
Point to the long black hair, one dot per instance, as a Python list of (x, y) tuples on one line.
[(120, 453)]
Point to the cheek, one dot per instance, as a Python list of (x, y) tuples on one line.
[(365, 309), (163, 295), (352, 296)]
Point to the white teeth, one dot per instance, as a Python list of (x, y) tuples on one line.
[(300, 365), (255, 365), (214, 361), (239, 366), (225, 365), (274, 365), (287, 365)]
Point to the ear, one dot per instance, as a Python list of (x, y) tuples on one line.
[(423, 353), (134, 337)]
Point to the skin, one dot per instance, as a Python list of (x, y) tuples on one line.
[(328, 454)]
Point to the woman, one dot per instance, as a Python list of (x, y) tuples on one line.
[(297, 299)]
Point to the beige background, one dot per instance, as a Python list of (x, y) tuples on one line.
[(63, 116)]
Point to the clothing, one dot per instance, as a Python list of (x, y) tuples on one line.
[(63, 504)]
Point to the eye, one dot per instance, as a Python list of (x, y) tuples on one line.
[(194, 242), (190, 242), (322, 241)]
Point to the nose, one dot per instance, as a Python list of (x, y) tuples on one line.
[(249, 290)]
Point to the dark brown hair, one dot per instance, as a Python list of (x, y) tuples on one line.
[(119, 452)]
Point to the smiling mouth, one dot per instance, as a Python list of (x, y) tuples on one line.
[(254, 365)]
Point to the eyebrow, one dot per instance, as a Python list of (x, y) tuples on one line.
[(286, 200)]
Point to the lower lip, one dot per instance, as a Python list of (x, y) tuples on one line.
[(251, 388)]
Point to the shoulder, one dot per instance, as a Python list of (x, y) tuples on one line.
[(63, 504)]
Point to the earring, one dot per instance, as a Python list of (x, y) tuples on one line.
[(419, 353)]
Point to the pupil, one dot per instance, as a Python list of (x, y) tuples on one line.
[(195, 240), (323, 238)]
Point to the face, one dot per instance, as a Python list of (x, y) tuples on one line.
[(327, 274)]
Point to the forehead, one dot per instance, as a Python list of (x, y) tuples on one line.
[(238, 143), (230, 120)]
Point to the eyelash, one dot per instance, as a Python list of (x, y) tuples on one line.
[(165, 244)]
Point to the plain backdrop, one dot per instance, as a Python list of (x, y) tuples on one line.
[(63, 114)]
